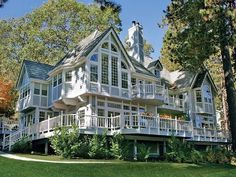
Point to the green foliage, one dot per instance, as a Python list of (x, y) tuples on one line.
[(143, 152), (121, 148), (22, 146), (49, 32), (196, 156), (65, 142), (98, 147)]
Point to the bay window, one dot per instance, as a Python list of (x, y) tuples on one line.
[(124, 80)]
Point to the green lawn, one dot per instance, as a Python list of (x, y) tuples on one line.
[(15, 168)]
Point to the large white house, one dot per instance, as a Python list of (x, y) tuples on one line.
[(99, 85)]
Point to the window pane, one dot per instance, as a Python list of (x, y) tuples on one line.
[(101, 112), (104, 69), (94, 73), (114, 71), (44, 90), (198, 96), (59, 78), (54, 81), (123, 66), (113, 48), (68, 76), (124, 77), (36, 88), (94, 57), (105, 45)]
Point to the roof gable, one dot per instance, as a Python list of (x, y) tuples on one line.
[(37, 70), (155, 63)]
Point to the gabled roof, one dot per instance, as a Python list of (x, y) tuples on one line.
[(199, 79), (154, 64), (139, 68), (85, 46), (37, 70)]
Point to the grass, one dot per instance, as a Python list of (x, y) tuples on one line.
[(58, 158), (15, 168)]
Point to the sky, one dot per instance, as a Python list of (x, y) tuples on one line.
[(147, 12)]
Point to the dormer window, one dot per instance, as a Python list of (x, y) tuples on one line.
[(105, 45), (123, 66), (157, 73), (113, 48), (198, 96), (94, 57)]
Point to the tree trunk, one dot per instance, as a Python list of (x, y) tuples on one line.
[(230, 91)]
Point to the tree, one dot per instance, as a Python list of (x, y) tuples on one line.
[(49, 32), (7, 96), (201, 29)]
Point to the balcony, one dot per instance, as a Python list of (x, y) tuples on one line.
[(173, 104), (149, 93), (202, 107), (211, 135)]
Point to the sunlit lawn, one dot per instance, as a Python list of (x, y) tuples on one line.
[(15, 168)]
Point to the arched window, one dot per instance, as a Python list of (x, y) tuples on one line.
[(105, 45), (123, 65), (113, 48), (94, 57)]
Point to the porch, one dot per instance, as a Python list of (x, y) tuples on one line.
[(127, 125)]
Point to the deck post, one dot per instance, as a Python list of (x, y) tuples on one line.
[(164, 147), (61, 118), (4, 136), (46, 147), (158, 124), (176, 126), (135, 149), (10, 141), (48, 123)]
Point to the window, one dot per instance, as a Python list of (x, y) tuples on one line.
[(44, 90), (105, 45), (133, 81), (198, 96), (124, 79), (101, 112), (59, 78), (41, 116), (36, 88), (113, 48), (125, 107), (123, 65), (105, 69), (114, 71), (54, 81), (94, 73), (157, 73), (94, 57), (68, 76)]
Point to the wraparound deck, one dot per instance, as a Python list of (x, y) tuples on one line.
[(135, 124)]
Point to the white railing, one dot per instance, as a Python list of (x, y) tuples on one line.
[(148, 91), (173, 103), (128, 124), (204, 134)]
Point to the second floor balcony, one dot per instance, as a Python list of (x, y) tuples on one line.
[(150, 93)]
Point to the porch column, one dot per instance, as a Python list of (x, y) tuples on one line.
[(164, 147), (46, 147), (135, 149)]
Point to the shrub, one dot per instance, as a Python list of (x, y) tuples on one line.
[(98, 147), (143, 152), (65, 141), (196, 156), (121, 148), (22, 146)]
